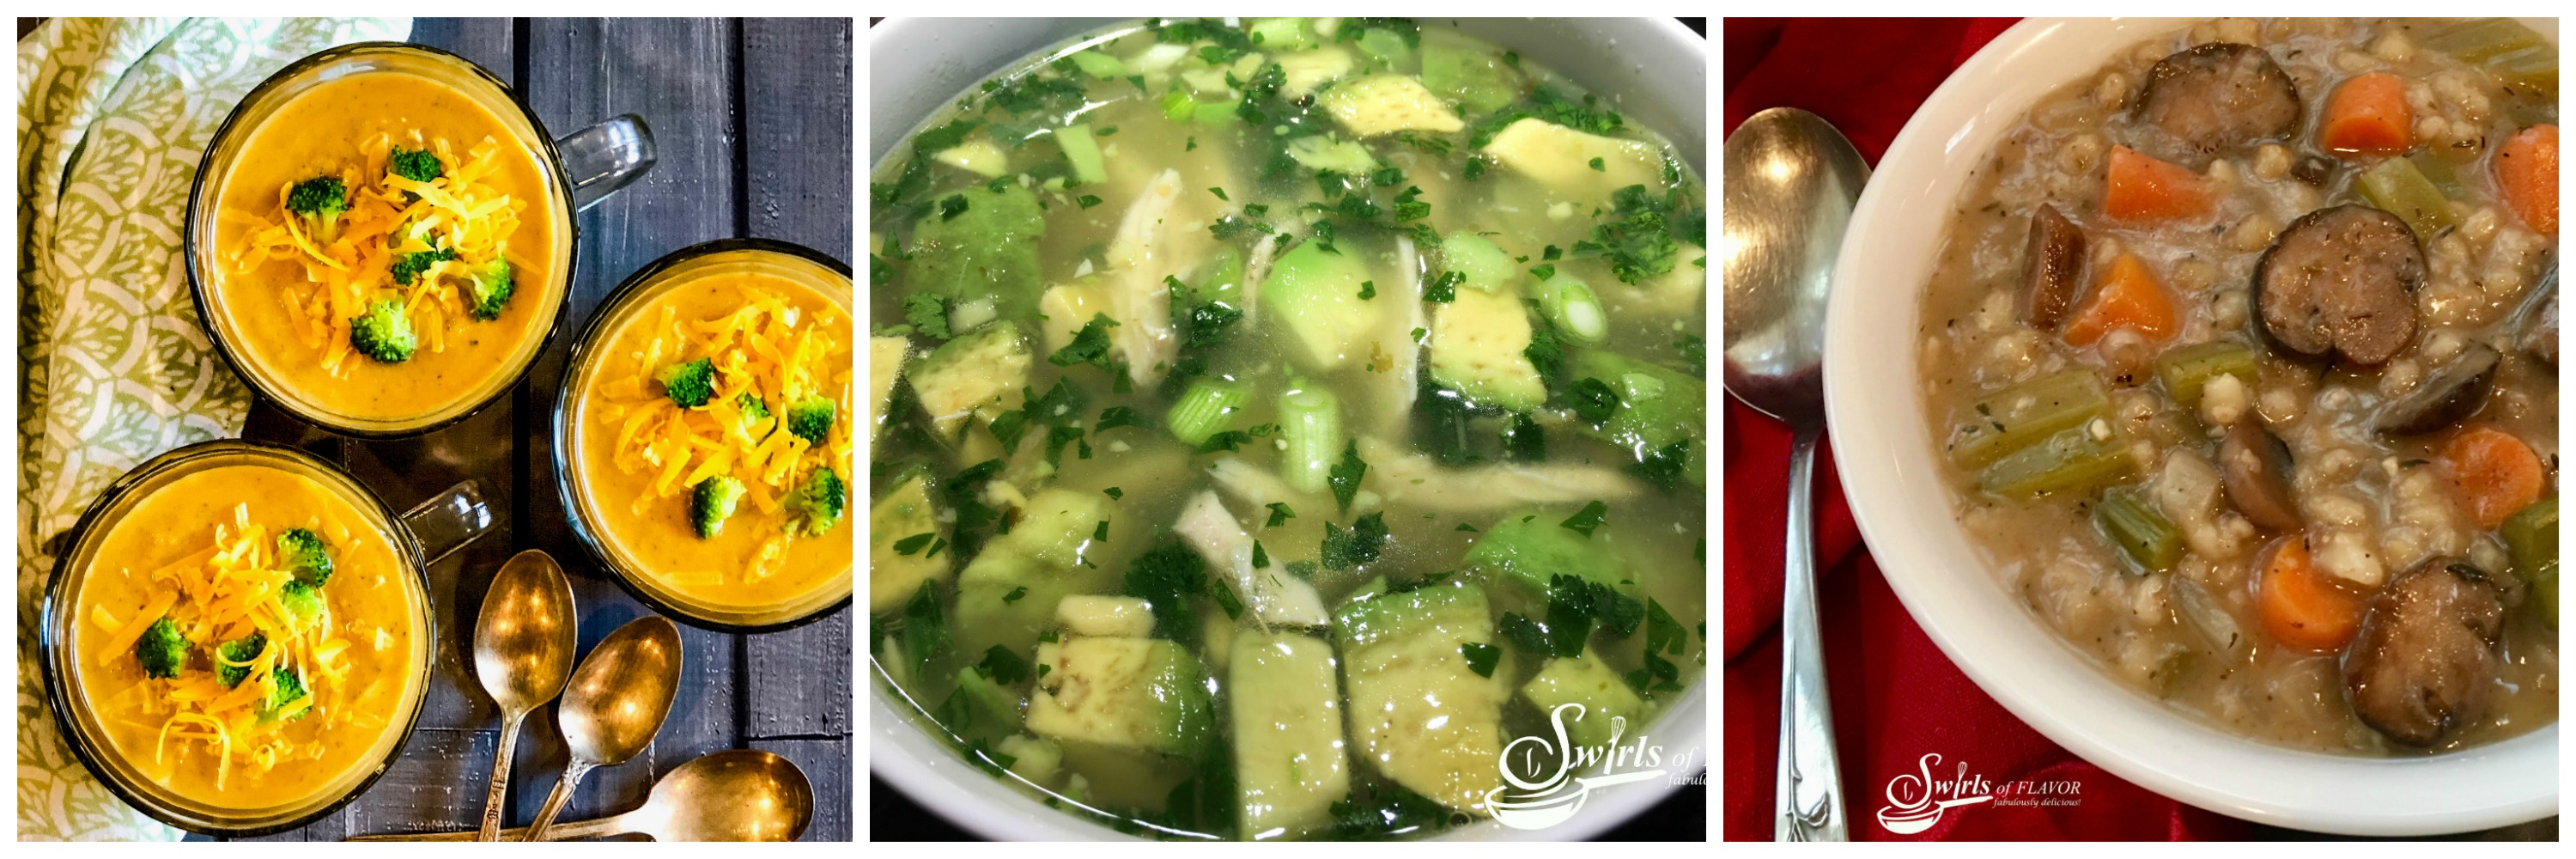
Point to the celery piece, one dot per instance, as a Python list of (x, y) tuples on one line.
[(1100, 65), (1082, 152), (1178, 105), (2019, 416), (1281, 34), (1205, 408), (2478, 40), (2083, 456), (2395, 186), (2188, 370), (2531, 538), (2130, 521), (1310, 421), (1577, 312), (2439, 170)]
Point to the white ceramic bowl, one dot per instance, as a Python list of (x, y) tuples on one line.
[(1654, 69), (1888, 471)]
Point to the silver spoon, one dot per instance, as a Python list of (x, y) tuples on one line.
[(523, 647), (617, 701), (734, 795), (1791, 181)]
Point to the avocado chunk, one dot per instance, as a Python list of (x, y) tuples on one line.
[(1525, 551), (1144, 694), (1320, 153), (1425, 718), (1657, 408), (901, 513), (1477, 345), (1386, 104), (885, 364), (1034, 759), (1008, 594), (1561, 158), (1084, 614), (1289, 767), (1468, 72), (987, 252), (971, 376), (1485, 265), (1317, 295), (1610, 709), (1308, 71), (994, 705)]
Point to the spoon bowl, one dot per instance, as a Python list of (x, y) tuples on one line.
[(616, 703), (523, 646)]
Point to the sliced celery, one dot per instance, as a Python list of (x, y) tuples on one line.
[(2395, 186), (2187, 371), (2478, 40), (2021, 415), (2082, 457), (1082, 152), (2531, 537), (1207, 407), (1100, 65), (2439, 170), (2130, 521)]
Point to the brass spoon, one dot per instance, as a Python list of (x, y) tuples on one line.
[(523, 646), (735, 795), (617, 701)]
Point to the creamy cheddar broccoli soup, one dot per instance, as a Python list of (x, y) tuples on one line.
[(388, 249), (247, 640), (1275, 420), (712, 438), (2243, 353)]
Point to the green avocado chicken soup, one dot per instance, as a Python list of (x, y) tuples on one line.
[(1275, 421)]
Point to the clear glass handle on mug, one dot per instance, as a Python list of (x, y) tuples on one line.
[(449, 520), (603, 158)]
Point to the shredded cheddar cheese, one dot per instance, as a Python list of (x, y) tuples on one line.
[(389, 217), (220, 594), (767, 349)]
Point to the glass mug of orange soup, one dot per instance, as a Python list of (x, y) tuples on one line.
[(380, 238), (774, 324), (213, 675)]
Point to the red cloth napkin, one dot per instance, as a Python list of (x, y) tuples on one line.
[(1896, 697)]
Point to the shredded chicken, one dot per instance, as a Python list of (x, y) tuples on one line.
[(1413, 479), (1138, 298), (1397, 384), (1276, 598)]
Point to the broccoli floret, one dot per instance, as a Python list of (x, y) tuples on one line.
[(162, 652), (408, 267), (817, 504), (417, 165), (243, 649), (690, 383), (490, 288), (754, 410), (302, 600), (384, 333), (810, 419), (712, 504), (289, 688), (302, 552), (319, 201)]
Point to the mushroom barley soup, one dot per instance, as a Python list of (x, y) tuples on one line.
[(1285, 417), (2243, 353)]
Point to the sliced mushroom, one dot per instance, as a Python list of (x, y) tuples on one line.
[(2340, 280), (2313, 169), (2255, 468), (2052, 268), (2424, 662), (2445, 398), (2212, 100)]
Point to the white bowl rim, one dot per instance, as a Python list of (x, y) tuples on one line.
[(929, 773), (1902, 508)]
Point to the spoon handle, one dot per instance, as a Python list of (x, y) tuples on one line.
[(500, 788), (555, 801), (1810, 786), (600, 828)]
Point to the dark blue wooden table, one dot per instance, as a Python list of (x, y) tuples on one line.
[(752, 121)]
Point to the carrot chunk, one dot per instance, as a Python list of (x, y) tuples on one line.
[(2300, 607), (2368, 115), (2495, 472), (2138, 187), (2526, 170), (2129, 296)]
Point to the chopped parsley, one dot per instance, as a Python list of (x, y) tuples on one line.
[(1583, 521), (1480, 657), (1362, 544)]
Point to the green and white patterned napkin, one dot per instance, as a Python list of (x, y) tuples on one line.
[(113, 116)]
